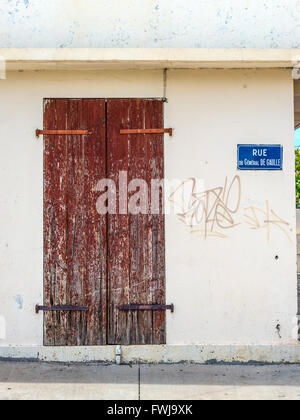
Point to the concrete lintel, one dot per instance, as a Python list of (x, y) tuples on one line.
[(205, 354), (132, 58)]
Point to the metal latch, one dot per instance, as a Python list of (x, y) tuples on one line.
[(142, 307), (39, 308), (148, 131), (61, 132)]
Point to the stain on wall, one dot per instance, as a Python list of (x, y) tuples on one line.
[(150, 24), (19, 301)]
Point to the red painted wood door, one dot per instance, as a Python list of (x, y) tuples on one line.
[(101, 261), (136, 253)]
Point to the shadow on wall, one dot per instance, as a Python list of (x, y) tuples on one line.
[(298, 256), (298, 241)]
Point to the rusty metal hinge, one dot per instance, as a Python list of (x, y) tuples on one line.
[(148, 131), (61, 132), (39, 308), (142, 307)]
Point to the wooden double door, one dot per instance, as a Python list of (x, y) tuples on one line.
[(101, 261)]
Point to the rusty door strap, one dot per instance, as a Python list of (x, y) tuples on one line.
[(148, 131), (141, 307), (61, 308), (61, 132)]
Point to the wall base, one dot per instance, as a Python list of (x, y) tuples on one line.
[(205, 354)]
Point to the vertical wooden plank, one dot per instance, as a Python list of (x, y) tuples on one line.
[(135, 150), (73, 220), (55, 271), (77, 244), (157, 286), (49, 218), (150, 166), (118, 227), (95, 280), (59, 199), (140, 266)]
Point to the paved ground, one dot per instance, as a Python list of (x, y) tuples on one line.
[(31, 381)]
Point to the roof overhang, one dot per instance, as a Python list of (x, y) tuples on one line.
[(141, 58)]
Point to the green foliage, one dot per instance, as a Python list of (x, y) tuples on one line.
[(297, 162)]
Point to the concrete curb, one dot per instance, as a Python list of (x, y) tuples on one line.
[(203, 354)]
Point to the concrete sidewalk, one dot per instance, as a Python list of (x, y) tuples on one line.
[(31, 381)]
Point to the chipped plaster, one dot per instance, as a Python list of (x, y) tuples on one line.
[(150, 24)]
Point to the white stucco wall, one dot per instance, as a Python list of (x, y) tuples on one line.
[(150, 23), (225, 290), (232, 289)]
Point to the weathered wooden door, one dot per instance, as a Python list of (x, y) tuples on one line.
[(136, 259), (93, 260)]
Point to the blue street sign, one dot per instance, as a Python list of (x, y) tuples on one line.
[(260, 157)]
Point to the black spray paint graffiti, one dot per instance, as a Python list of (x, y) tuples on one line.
[(213, 212)]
